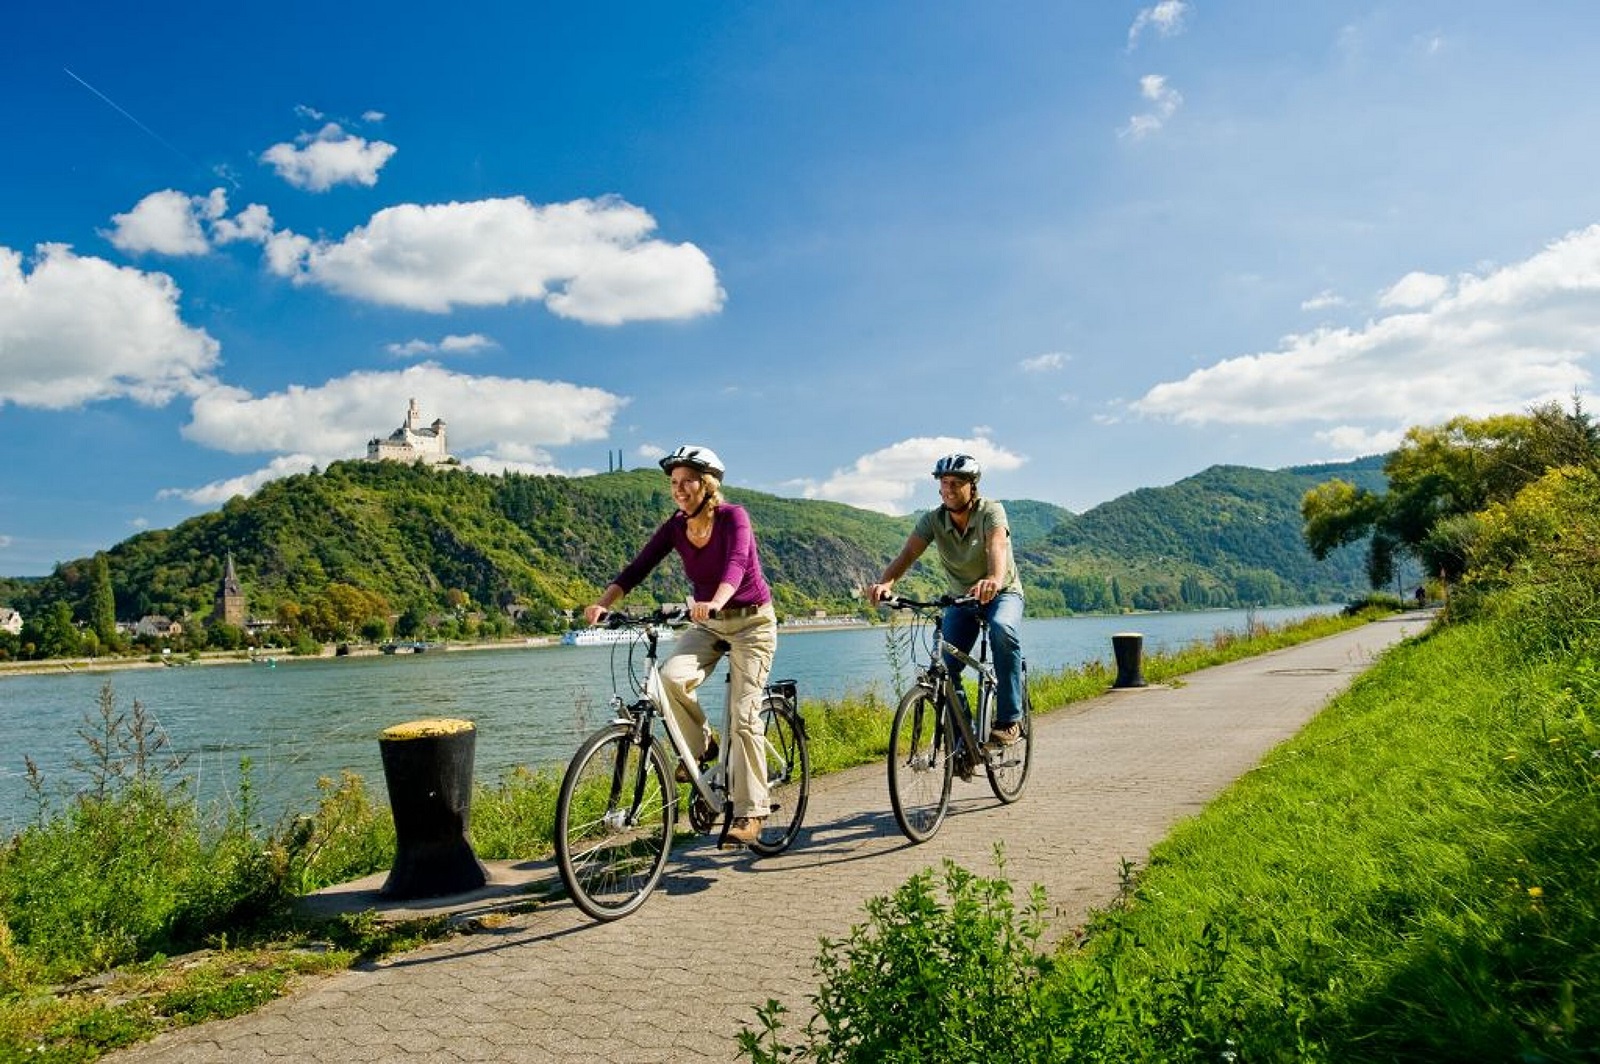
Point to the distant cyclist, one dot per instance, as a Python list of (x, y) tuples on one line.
[(718, 549), (974, 543)]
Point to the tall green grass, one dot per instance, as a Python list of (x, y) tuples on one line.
[(1416, 876)]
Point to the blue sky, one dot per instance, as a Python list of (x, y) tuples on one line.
[(1102, 246)]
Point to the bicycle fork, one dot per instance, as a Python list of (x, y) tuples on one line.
[(639, 738)]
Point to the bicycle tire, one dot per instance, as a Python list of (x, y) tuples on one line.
[(920, 769), (613, 827), (788, 759), (1009, 766)]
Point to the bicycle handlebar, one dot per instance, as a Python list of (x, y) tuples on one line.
[(901, 602), (671, 613)]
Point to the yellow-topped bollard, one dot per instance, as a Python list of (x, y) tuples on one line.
[(427, 765)]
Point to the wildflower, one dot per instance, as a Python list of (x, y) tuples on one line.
[(1535, 892)]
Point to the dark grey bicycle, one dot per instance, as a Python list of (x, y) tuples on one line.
[(934, 737)]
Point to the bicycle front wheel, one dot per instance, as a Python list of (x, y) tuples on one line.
[(788, 762), (1009, 765), (614, 823), (920, 768)]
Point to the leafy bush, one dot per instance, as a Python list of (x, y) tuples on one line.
[(952, 978)]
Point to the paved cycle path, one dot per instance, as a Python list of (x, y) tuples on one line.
[(725, 931)]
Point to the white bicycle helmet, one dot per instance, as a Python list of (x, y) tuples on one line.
[(695, 457), (958, 465)]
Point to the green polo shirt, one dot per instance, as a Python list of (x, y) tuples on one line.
[(963, 555)]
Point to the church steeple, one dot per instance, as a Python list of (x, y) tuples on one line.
[(230, 604)]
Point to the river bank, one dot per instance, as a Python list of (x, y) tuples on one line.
[(272, 657)]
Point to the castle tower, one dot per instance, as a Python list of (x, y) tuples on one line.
[(412, 441), (230, 605)]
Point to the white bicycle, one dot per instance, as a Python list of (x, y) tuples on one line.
[(617, 807)]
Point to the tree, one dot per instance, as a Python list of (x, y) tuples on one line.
[(1438, 478), (57, 637), (102, 603)]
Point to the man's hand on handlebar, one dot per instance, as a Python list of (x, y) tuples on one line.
[(984, 590), (876, 593)]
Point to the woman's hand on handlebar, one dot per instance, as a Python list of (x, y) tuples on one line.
[(594, 614)]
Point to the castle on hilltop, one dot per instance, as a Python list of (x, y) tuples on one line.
[(411, 442)]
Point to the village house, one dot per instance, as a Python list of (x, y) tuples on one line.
[(157, 626), (10, 620)]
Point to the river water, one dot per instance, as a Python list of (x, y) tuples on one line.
[(298, 721)]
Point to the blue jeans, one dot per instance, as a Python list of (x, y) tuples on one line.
[(1004, 614)]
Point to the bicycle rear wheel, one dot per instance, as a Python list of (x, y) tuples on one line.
[(613, 826), (1008, 766), (788, 775), (920, 768)]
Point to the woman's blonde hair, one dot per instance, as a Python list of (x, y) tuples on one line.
[(713, 484)]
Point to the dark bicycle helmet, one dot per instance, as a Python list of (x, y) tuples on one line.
[(695, 457), (958, 465)]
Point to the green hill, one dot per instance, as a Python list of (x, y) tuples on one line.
[(1227, 536), (363, 540)]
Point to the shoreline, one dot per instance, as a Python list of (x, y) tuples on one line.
[(72, 666)]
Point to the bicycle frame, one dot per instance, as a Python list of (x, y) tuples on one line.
[(619, 800), (642, 714), (711, 785), (933, 735), (968, 725)]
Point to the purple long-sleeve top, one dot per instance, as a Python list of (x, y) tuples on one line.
[(728, 557)]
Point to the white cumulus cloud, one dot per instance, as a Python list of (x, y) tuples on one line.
[(1415, 289), (1522, 334), (165, 222), (449, 345), (331, 156), (492, 423), (1164, 102), (1326, 299), (886, 480), (174, 223), (1166, 18), (1046, 363), (81, 329), (592, 260)]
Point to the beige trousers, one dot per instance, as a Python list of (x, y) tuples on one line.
[(751, 641)]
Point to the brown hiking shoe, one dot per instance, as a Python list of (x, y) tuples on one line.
[(743, 831), (1006, 734)]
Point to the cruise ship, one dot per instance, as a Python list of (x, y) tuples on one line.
[(600, 637)]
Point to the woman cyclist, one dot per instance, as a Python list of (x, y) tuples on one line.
[(731, 606)]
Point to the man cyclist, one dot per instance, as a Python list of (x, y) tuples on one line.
[(974, 543)]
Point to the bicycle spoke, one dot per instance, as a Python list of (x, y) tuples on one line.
[(1009, 765), (788, 767), (919, 765), (613, 824)]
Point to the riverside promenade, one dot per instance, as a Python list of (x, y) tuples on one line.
[(726, 931)]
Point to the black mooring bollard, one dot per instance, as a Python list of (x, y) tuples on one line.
[(1129, 649), (427, 766)]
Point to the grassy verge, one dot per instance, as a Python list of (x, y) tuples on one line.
[(130, 913), (1416, 876)]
